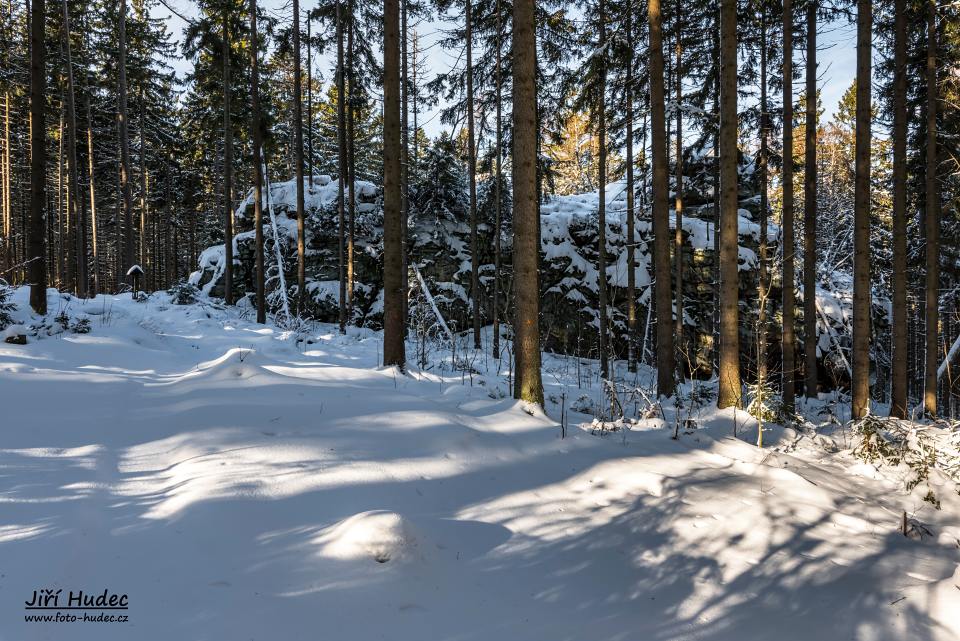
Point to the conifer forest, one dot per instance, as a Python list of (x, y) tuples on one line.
[(596, 320)]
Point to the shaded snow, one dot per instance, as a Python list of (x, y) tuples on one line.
[(238, 484)]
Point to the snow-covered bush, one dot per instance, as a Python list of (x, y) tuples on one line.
[(920, 448), (6, 305), (184, 293)]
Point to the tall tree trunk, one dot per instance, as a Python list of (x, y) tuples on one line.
[(127, 256), (255, 125), (309, 102), (631, 231), (787, 347), (393, 294), (810, 212), (860, 385), (37, 267), (472, 171), (898, 357), (7, 200), (351, 165), (678, 201), (729, 392), (76, 280), (404, 157), (63, 214), (931, 222), (661, 220), (498, 178), (602, 193), (342, 165), (227, 166), (764, 279), (144, 200), (529, 386), (298, 163)]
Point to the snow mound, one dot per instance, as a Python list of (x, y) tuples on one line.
[(377, 535), (236, 364)]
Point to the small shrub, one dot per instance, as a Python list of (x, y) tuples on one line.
[(184, 293), (6, 305), (80, 326)]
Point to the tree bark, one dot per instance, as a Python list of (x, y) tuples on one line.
[(127, 256), (148, 271), (729, 392), (931, 222), (661, 222), (37, 267), (351, 166), (631, 231), (393, 294), (76, 271), (810, 212), (764, 280), (342, 165), (309, 102), (898, 358), (298, 163), (472, 177), (602, 193), (529, 386), (860, 385), (255, 125), (787, 342), (227, 166), (678, 201), (498, 177), (405, 156)]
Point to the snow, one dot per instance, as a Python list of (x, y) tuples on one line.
[(240, 481)]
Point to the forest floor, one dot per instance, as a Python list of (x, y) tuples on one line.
[(239, 482)]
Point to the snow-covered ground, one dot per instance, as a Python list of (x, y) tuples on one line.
[(237, 483)]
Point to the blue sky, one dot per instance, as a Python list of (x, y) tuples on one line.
[(835, 44)]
